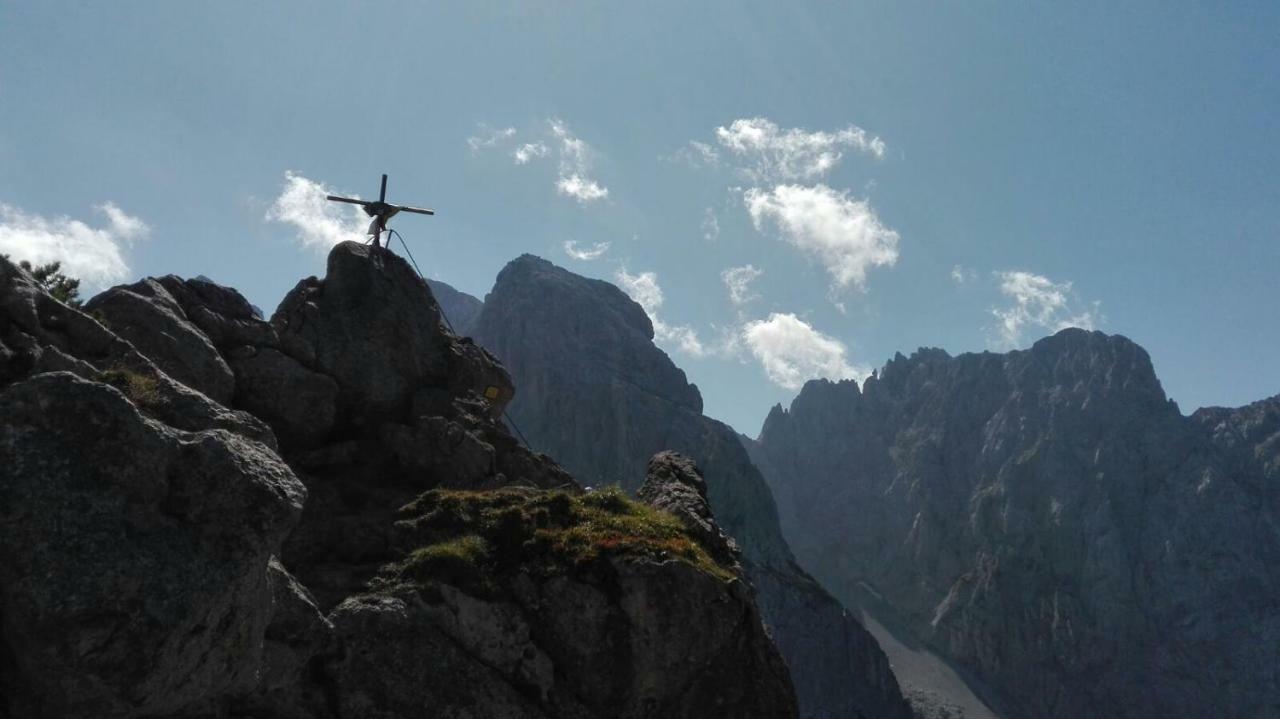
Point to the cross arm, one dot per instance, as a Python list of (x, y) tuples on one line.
[(335, 198), (418, 210)]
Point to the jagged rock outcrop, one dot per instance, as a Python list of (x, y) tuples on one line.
[(150, 318), (526, 603), (460, 308), (438, 566), (40, 334), (600, 397), (1048, 519), (137, 518)]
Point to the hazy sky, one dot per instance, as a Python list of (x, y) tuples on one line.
[(791, 191)]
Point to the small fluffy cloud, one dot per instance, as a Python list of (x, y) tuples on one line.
[(580, 188), (645, 290), (594, 252), (843, 233), (772, 154), (575, 157), (321, 224), (791, 351), (575, 165), (529, 151), (94, 255), (961, 274), (738, 281), (710, 225), (1038, 303), (489, 137)]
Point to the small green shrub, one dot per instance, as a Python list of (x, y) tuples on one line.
[(142, 390)]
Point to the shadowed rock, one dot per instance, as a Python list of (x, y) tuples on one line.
[(598, 395), (134, 579), (147, 315)]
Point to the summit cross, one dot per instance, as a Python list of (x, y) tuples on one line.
[(381, 211)]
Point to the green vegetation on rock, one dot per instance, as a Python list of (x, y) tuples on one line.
[(471, 538), (140, 389)]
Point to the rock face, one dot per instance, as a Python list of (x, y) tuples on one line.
[(511, 616), (134, 552), (600, 397), (460, 308), (1049, 520), (148, 316), (158, 558)]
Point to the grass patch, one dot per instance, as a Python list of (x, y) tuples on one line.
[(142, 390), (471, 539)]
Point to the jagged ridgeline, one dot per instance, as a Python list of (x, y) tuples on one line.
[(1049, 520), (205, 514)]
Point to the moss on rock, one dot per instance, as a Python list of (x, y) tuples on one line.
[(470, 539)]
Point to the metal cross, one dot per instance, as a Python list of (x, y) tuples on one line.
[(380, 211)]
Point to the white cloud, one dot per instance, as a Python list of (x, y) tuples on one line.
[(710, 225), (774, 155), (697, 154), (961, 274), (645, 290), (529, 151), (792, 352), (94, 255), (1039, 303), (575, 157), (575, 165), (595, 252), (581, 189), (738, 281), (843, 233), (321, 224), (489, 137)]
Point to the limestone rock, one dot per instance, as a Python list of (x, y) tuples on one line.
[(299, 404), (491, 613), (134, 579), (1048, 520), (596, 394), (371, 326), (40, 334), (459, 307), (221, 312), (674, 484), (146, 315)]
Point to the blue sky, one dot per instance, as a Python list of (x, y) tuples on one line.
[(968, 176)]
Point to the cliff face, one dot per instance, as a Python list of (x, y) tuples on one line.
[(1049, 520), (358, 537), (459, 307), (600, 397)]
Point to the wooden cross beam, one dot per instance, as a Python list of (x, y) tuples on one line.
[(380, 211)]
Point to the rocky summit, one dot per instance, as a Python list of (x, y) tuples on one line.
[(599, 396), (1050, 522), (320, 516)]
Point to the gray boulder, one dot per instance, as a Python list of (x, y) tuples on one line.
[(674, 484), (300, 405), (134, 579), (372, 326), (146, 315), (221, 312)]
